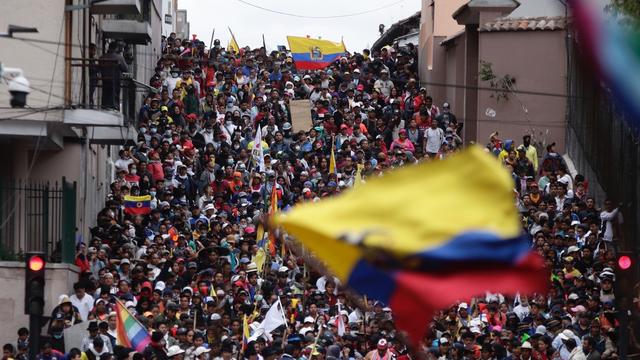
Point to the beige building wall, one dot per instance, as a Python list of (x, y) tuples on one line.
[(537, 61), (436, 24), (43, 62)]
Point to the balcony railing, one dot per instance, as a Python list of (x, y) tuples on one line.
[(37, 216)]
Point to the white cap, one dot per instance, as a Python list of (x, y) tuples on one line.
[(444, 340), (201, 350), (526, 345), (572, 249), (209, 207), (309, 319), (541, 329), (567, 334), (160, 285), (463, 306), (174, 350)]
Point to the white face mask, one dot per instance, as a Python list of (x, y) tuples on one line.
[(134, 171)]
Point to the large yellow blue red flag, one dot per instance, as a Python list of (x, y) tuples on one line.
[(405, 240), (314, 54)]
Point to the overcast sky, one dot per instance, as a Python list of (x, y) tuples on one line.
[(249, 23)]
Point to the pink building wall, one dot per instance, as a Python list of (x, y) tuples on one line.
[(537, 60)]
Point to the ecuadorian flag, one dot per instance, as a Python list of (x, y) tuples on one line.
[(424, 237), (314, 54), (137, 205)]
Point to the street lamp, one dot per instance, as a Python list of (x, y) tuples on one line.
[(12, 29)]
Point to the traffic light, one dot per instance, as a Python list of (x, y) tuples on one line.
[(34, 284), (626, 268)]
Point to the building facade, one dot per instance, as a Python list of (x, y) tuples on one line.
[(182, 25), (65, 131), (485, 71)]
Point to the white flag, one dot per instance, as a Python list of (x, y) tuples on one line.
[(257, 152), (272, 320), (339, 322)]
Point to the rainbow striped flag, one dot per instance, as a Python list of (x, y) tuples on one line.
[(129, 332), (614, 51)]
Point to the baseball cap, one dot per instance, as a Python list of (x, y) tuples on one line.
[(382, 344), (566, 334)]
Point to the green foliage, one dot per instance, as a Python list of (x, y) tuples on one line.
[(627, 11), (502, 85)]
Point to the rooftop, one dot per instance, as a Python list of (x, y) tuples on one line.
[(525, 24)]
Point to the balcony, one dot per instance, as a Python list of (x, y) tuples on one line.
[(131, 31), (129, 7)]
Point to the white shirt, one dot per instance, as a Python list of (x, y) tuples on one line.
[(434, 139), (123, 164), (84, 305), (384, 86), (521, 311), (608, 218)]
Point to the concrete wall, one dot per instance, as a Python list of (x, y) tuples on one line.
[(59, 279), (537, 61)]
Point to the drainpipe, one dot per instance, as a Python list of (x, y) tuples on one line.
[(68, 40)]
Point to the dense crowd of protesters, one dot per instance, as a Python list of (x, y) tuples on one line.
[(188, 269)]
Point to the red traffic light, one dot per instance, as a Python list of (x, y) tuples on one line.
[(36, 263), (624, 262)]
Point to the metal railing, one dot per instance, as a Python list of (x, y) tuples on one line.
[(37, 216)]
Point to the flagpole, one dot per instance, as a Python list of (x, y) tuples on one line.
[(264, 44), (213, 32), (195, 316), (284, 317)]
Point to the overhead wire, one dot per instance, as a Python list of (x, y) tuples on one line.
[(319, 17)]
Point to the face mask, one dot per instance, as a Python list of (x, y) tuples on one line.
[(143, 130), (168, 132), (154, 130), (152, 193), (134, 171)]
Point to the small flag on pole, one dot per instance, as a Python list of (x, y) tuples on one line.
[(332, 159), (233, 44)]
